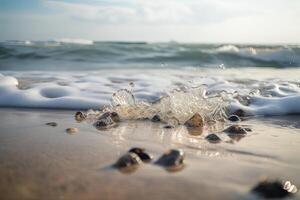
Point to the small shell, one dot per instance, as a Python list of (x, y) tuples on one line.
[(72, 130)]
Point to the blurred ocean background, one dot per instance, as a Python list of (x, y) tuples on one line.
[(72, 54), (83, 74)]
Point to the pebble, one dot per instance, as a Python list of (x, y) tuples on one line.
[(168, 126), (72, 130), (248, 129), (104, 124), (234, 118), (115, 117), (274, 189), (239, 113), (51, 124), (156, 118), (107, 120), (128, 160), (213, 138), (172, 160), (80, 116), (235, 130), (195, 121), (144, 156)]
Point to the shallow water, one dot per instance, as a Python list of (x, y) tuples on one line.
[(257, 91), (39, 161)]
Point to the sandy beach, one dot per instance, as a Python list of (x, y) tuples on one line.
[(45, 162)]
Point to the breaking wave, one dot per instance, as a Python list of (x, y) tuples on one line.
[(174, 95), (87, 54)]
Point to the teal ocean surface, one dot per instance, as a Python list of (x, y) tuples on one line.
[(70, 54)]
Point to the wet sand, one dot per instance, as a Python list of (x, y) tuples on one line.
[(45, 162)]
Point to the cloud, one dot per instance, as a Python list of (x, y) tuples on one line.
[(255, 21), (152, 12), (88, 12)]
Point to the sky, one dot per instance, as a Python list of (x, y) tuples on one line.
[(206, 21)]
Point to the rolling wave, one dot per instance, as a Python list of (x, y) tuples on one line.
[(144, 54)]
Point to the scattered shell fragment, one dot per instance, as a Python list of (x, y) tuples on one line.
[(72, 130), (235, 130), (213, 138), (195, 121), (274, 189), (144, 156), (51, 124), (172, 160)]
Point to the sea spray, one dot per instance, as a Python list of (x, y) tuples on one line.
[(175, 108)]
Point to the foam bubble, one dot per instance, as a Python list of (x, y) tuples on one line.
[(170, 93)]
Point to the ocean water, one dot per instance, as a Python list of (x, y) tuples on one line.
[(172, 78)]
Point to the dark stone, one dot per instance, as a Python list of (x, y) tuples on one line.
[(195, 121), (145, 157), (168, 126), (104, 115), (239, 113), (107, 120), (248, 129), (236, 137), (128, 160), (213, 138), (271, 189), (80, 116), (115, 117), (235, 130), (103, 124), (172, 160), (156, 118), (234, 118), (51, 124)]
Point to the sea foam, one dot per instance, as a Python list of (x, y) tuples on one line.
[(172, 93)]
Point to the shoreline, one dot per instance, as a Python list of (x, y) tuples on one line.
[(39, 161)]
